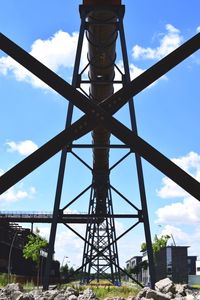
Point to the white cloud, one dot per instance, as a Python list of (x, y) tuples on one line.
[(198, 29), (191, 164), (183, 238), (24, 148), (186, 211), (169, 42), (70, 245), (1, 172), (56, 52), (134, 73), (16, 194)]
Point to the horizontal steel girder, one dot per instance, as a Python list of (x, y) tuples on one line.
[(64, 218), (96, 114)]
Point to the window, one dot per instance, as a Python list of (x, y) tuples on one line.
[(198, 269)]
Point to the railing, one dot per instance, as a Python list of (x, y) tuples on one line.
[(31, 214)]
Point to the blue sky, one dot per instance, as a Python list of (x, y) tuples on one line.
[(167, 116)]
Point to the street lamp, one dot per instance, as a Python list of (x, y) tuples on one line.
[(171, 235), (63, 260), (9, 256)]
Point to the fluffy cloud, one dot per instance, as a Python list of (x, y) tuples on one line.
[(56, 52), (186, 211), (169, 42), (70, 245), (191, 164), (182, 238), (24, 148), (16, 194), (134, 73), (198, 29)]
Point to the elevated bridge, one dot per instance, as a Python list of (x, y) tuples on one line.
[(64, 218)]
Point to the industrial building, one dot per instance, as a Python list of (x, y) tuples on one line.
[(171, 261), (12, 241)]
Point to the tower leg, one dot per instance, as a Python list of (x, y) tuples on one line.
[(138, 162), (62, 165)]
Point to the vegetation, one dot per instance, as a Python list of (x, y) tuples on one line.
[(4, 279), (157, 244), (108, 291), (32, 249), (68, 274), (196, 286)]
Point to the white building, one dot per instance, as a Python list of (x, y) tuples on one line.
[(197, 267)]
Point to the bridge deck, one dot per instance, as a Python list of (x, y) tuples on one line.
[(46, 217)]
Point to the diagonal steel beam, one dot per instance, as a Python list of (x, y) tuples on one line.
[(117, 100), (112, 104)]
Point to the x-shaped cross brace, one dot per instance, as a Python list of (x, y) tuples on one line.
[(100, 113)]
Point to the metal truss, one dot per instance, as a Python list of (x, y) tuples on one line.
[(100, 114)]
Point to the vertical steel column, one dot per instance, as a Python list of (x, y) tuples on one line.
[(140, 175), (63, 160)]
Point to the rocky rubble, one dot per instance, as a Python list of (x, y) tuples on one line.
[(164, 290), (14, 291)]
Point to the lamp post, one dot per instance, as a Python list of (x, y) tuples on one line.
[(63, 260), (171, 235), (9, 256)]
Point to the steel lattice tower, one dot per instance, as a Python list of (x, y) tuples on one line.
[(102, 24)]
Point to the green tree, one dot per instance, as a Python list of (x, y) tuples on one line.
[(33, 247), (64, 270), (158, 243)]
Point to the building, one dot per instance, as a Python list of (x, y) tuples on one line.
[(171, 261), (12, 241), (134, 264), (192, 265), (198, 267), (134, 261)]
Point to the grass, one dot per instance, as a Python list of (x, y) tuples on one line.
[(102, 290), (112, 291), (195, 286), (28, 286), (105, 290), (5, 280)]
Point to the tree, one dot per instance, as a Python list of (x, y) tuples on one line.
[(33, 248), (157, 244), (64, 270)]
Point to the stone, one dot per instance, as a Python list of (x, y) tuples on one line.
[(165, 286), (142, 293), (50, 295), (72, 297), (156, 295), (131, 298), (178, 297), (190, 297), (27, 296), (180, 289), (16, 295), (71, 293), (60, 297), (87, 295), (11, 288)]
